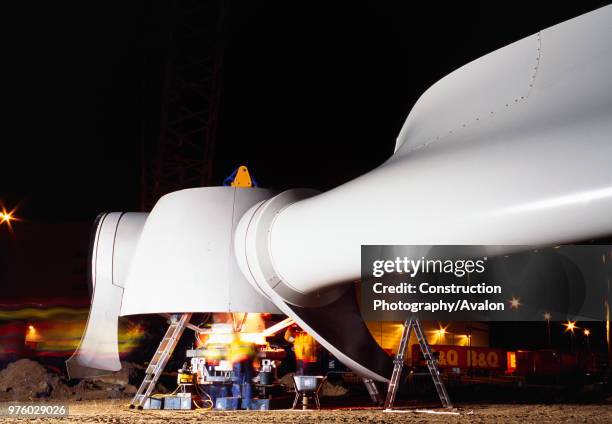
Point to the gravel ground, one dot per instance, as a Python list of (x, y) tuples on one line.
[(116, 411)]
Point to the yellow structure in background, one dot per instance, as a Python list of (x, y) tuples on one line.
[(242, 178), (388, 334)]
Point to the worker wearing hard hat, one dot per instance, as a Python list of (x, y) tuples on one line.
[(306, 350)]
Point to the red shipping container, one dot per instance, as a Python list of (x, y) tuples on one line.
[(465, 357)]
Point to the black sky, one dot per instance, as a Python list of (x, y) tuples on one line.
[(314, 94)]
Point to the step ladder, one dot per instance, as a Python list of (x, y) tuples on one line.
[(398, 364), (373, 391), (164, 351)]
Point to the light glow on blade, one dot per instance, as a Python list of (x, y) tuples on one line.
[(583, 197)]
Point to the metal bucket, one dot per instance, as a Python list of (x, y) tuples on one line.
[(307, 383)]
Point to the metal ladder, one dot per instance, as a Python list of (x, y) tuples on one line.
[(373, 391), (398, 364), (160, 359)]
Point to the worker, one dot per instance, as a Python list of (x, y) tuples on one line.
[(305, 348), (241, 354)]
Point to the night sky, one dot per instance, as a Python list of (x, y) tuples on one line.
[(314, 94)]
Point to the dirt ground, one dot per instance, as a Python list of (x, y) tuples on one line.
[(116, 411)]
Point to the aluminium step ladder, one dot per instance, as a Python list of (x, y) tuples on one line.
[(373, 391), (398, 364), (178, 322)]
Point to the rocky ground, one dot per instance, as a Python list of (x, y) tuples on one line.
[(27, 380), (115, 411)]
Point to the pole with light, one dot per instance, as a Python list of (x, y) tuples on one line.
[(587, 333), (571, 327), (547, 318)]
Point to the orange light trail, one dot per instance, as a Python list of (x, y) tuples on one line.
[(57, 331)]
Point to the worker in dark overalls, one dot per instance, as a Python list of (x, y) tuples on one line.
[(242, 354)]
